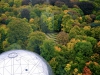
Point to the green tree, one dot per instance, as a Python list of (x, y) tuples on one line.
[(61, 58), (76, 30), (88, 18), (3, 18), (96, 32), (18, 3), (85, 48), (4, 7), (25, 13), (3, 35), (35, 40), (87, 30), (98, 17), (67, 23), (19, 29), (47, 21), (92, 40), (53, 63), (11, 2), (1, 45), (96, 3), (37, 11), (13, 46), (47, 49), (64, 7), (57, 22)]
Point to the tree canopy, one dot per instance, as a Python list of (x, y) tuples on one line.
[(19, 29), (64, 32)]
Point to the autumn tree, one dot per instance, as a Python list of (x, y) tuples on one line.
[(75, 12), (97, 48), (86, 71), (87, 30), (58, 61), (71, 44), (62, 38), (95, 57), (88, 19), (94, 67)]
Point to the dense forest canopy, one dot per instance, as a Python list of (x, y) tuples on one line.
[(64, 32)]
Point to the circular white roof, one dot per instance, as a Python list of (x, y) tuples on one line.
[(22, 62)]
